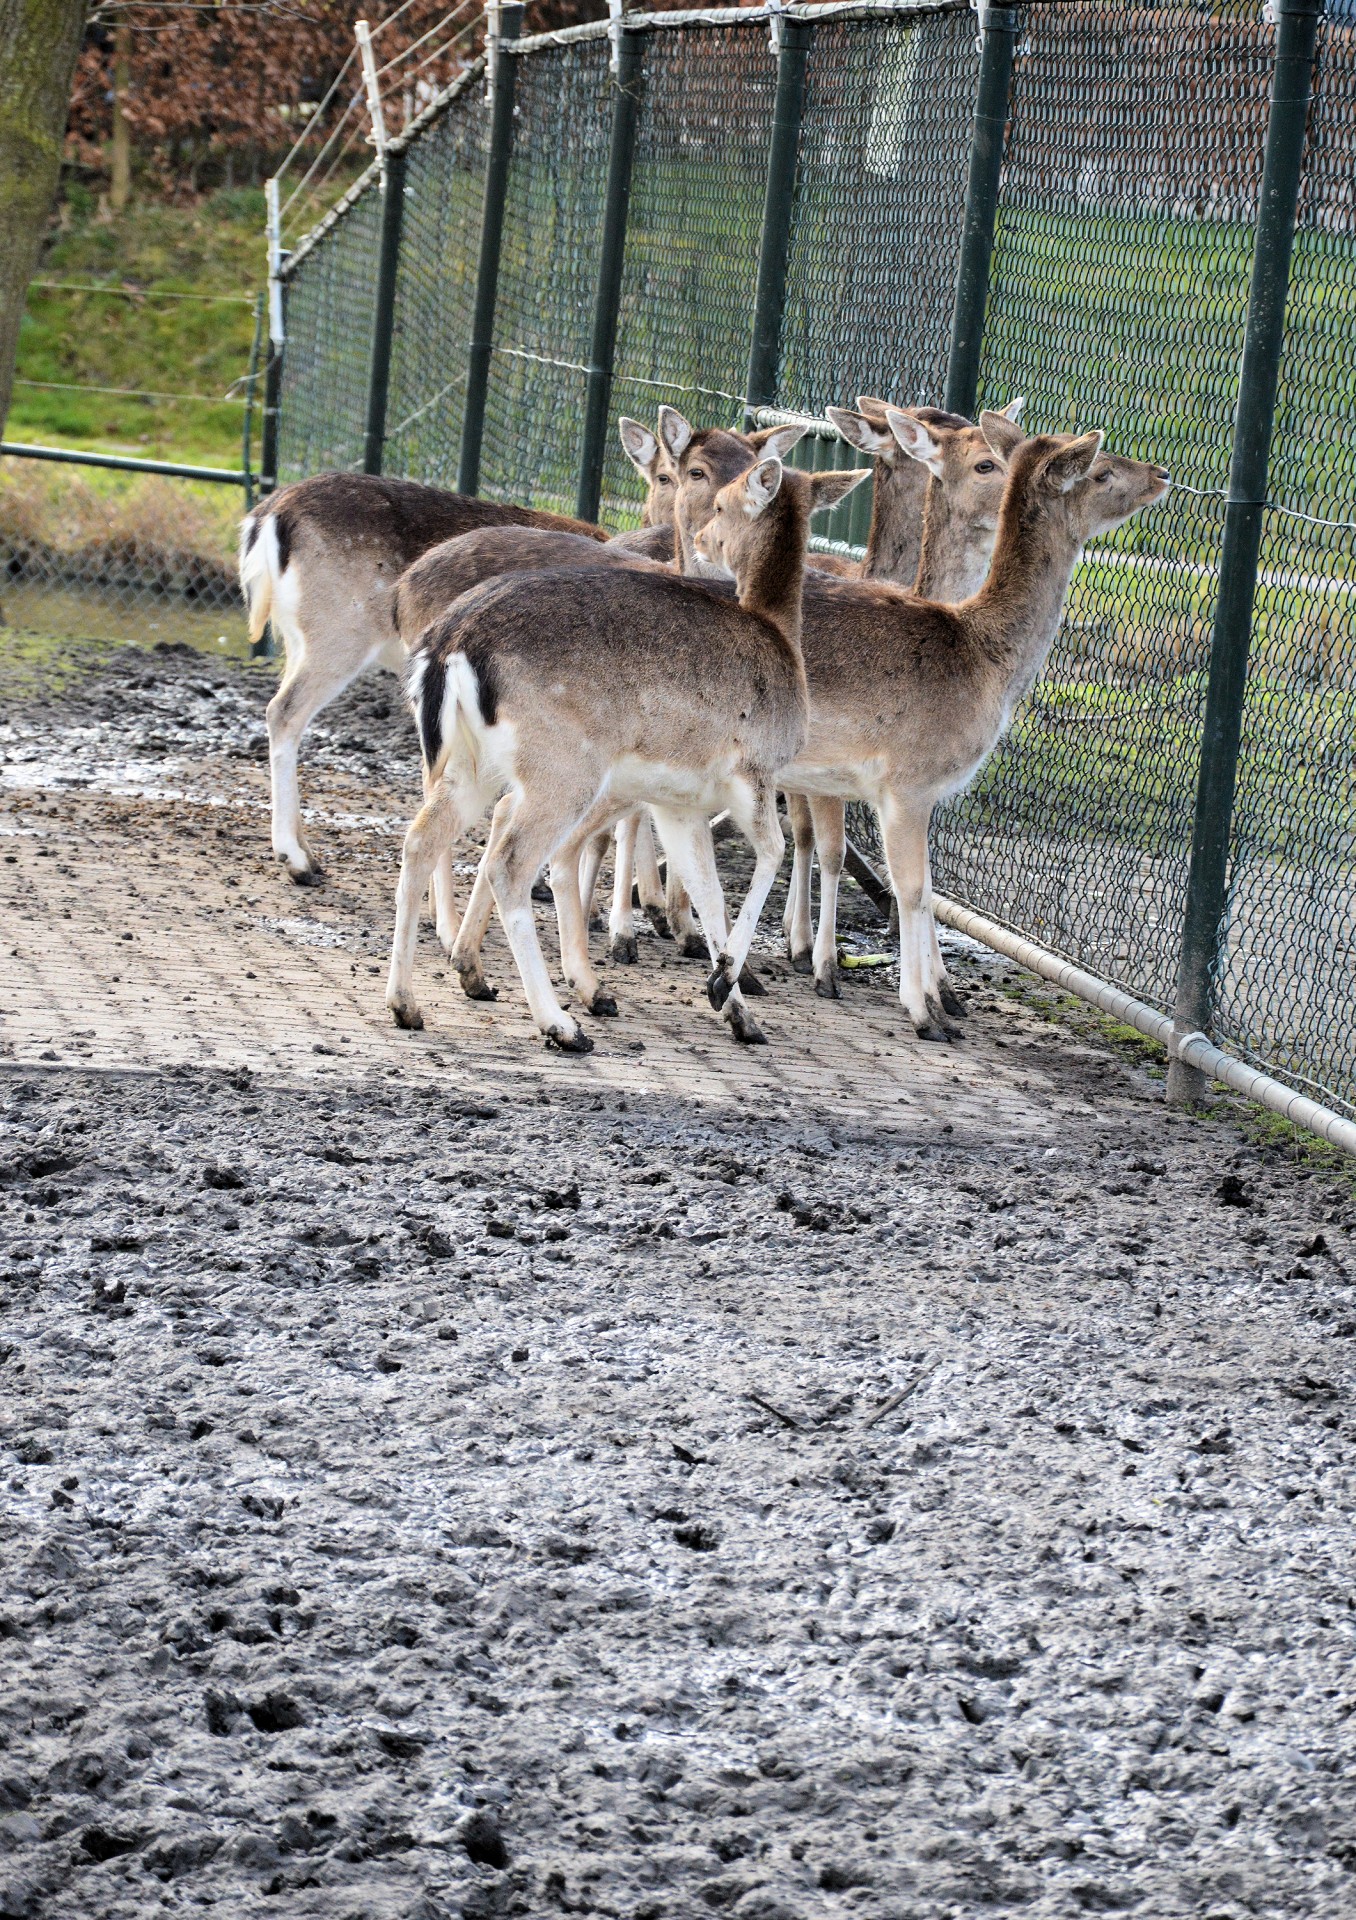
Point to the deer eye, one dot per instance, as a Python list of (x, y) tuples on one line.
[(695, 473), (987, 466), (664, 480), (1101, 478)]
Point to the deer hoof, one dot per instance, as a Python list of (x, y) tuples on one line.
[(540, 891), (604, 1006), (659, 920), (939, 1018), (305, 876), (951, 1001), (802, 962), (624, 950), (562, 1040), (750, 984), (474, 984), (694, 947), (743, 1025), (827, 984), (405, 1012), (719, 987)]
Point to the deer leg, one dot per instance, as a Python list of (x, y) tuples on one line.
[(530, 835), (621, 942), (797, 922), (904, 820), (571, 919), (442, 899), (941, 980), (465, 952), (678, 908), (431, 833), (590, 865), (692, 854), (649, 883), (310, 682), (830, 828)]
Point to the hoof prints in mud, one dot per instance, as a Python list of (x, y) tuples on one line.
[(471, 1509)]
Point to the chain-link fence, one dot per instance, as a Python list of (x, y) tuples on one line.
[(1127, 205)]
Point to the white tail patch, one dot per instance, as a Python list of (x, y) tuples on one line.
[(258, 570)]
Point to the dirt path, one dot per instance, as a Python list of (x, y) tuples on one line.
[(849, 1478)]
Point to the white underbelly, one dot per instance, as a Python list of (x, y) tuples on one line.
[(834, 780), (633, 782)]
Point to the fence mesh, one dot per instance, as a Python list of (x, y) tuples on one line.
[(1287, 974), (1118, 298), (697, 187), (1119, 288), (330, 302), (435, 291), (548, 270)]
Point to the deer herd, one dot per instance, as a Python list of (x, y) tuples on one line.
[(584, 686)]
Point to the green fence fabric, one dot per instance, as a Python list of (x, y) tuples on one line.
[(435, 292), (330, 303), (1119, 280), (1117, 300)]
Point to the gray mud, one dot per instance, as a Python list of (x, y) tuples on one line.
[(420, 1505)]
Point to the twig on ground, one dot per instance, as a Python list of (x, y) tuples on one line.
[(787, 1419), (896, 1399)]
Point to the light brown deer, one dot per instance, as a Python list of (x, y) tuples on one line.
[(962, 480), (320, 559), (909, 697), (588, 693), (434, 581)]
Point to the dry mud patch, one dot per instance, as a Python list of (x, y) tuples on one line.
[(454, 1481)]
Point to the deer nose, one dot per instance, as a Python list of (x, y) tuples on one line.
[(1163, 474)]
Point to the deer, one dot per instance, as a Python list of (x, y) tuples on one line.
[(321, 558), (942, 487), (909, 697), (435, 580), (589, 692)]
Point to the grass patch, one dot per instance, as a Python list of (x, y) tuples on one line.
[(125, 337)]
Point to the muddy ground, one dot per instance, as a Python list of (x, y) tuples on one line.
[(859, 1478)]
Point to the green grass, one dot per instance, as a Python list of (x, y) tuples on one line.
[(127, 338)]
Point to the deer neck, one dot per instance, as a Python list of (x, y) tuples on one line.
[(1016, 614), (769, 582), (954, 561), (898, 490)]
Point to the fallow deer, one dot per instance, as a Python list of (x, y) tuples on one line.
[(588, 693), (963, 477), (909, 697)]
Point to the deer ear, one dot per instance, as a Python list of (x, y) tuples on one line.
[(1013, 410), (761, 484), (920, 442), (674, 431), (860, 432), (639, 444), (1000, 432), (1070, 464), (827, 489), (777, 440)]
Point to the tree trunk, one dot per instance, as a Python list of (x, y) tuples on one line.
[(39, 41), (121, 190)]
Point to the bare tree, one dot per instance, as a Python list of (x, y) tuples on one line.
[(39, 41)]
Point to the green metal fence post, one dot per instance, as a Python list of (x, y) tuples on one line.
[(603, 346), (1207, 878), (999, 27), (383, 322), (760, 388), (503, 74)]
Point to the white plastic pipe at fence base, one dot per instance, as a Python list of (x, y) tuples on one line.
[(1192, 1048)]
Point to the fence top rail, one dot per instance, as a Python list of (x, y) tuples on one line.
[(734, 17)]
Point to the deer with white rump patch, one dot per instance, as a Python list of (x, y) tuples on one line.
[(450, 569), (908, 697), (590, 693)]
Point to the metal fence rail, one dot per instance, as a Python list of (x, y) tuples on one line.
[(1085, 201)]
